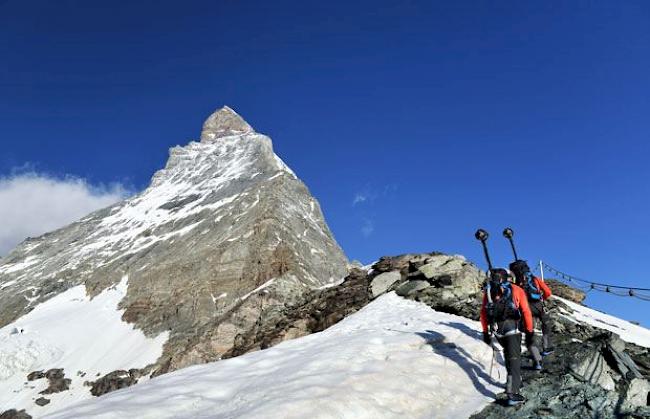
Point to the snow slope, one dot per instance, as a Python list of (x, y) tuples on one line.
[(629, 332), (73, 332), (394, 358)]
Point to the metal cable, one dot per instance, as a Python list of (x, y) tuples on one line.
[(617, 290)]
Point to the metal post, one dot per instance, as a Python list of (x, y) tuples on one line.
[(541, 268)]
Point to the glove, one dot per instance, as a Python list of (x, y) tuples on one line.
[(529, 338), (487, 338)]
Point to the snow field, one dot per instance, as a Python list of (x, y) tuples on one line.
[(394, 358), (72, 332), (627, 331)]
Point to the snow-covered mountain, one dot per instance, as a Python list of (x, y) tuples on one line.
[(169, 277)]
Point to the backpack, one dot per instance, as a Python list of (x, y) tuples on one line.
[(504, 308), (520, 267), (531, 288)]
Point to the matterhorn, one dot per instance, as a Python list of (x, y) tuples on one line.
[(169, 277)]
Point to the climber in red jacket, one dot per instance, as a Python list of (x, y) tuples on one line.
[(537, 292), (505, 306)]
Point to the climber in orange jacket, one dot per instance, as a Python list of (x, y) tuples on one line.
[(538, 292), (505, 306)]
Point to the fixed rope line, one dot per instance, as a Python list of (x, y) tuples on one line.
[(567, 276), (618, 290)]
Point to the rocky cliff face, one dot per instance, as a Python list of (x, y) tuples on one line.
[(224, 218)]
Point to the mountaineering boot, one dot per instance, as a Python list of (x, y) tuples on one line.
[(515, 399), (548, 351)]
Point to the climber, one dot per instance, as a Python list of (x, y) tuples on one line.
[(505, 305), (537, 292)]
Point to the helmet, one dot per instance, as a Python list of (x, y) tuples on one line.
[(519, 267), (499, 275)]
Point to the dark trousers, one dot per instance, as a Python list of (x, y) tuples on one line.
[(539, 312), (512, 354)]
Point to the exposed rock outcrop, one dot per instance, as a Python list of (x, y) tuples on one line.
[(446, 283), (317, 311), (115, 381), (453, 285), (562, 290), (35, 375), (56, 380), (14, 414)]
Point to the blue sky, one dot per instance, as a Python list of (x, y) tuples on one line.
[(412, 122)]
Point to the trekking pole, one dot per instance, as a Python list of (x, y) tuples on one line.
[(494, 360), (494, 357), (509, 234)]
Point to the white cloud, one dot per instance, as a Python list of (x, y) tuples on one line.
[(371, 194), (359, 198), (32, 204), (367, 228)]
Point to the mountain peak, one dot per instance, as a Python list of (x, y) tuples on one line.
[(222, 123)]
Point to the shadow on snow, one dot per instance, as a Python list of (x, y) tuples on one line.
[(472, 368)]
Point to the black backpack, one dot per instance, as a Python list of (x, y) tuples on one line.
[(528, 282), (531, 288), (503, 308)]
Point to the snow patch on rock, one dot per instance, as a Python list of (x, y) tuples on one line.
[(627, 331)]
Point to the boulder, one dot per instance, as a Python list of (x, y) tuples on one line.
[(636, 395), (411, 287), (405, 263), (441, 265), (42, 401), (114, 381), (593, 369), (616, 353), (382, 282), (35, 375)]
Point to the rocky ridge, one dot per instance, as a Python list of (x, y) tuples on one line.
[(593, 373)]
